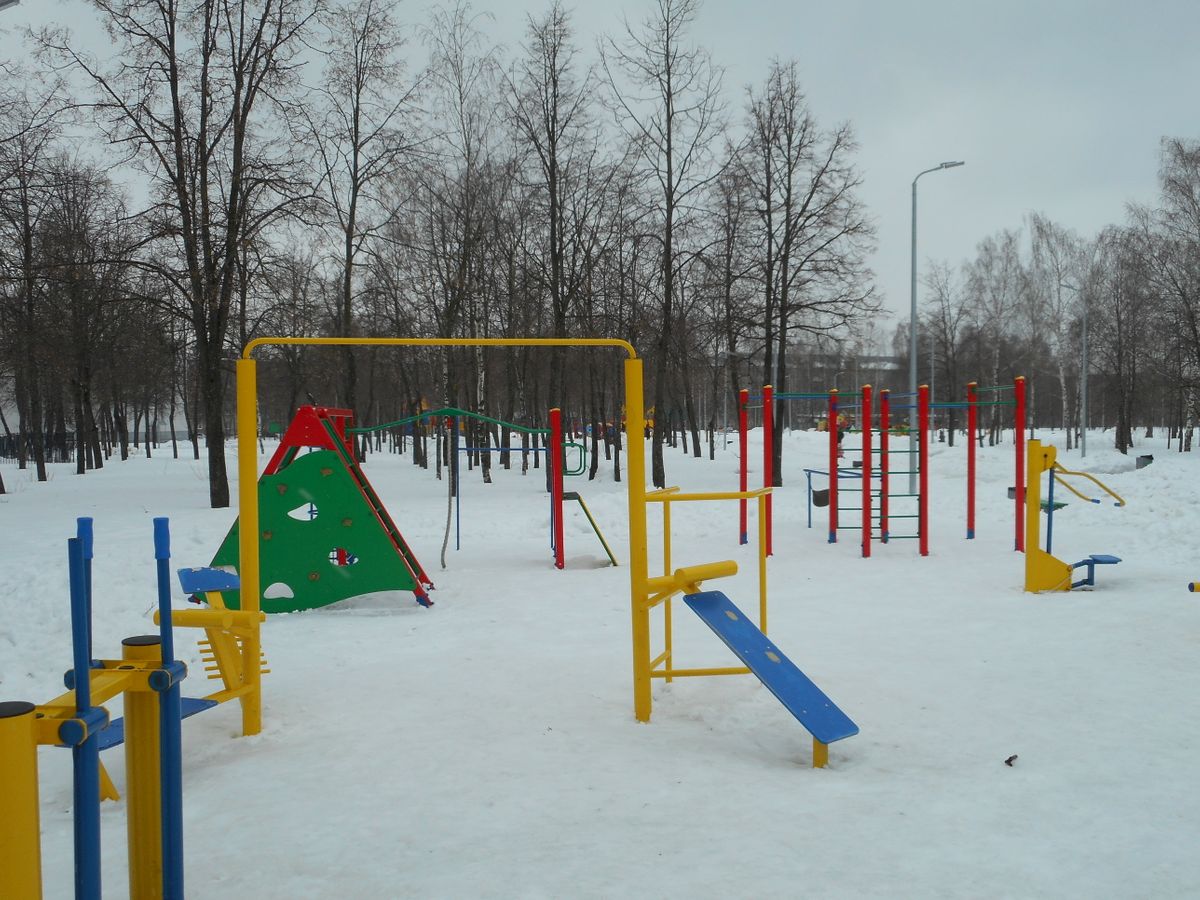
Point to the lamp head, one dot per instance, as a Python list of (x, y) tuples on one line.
[(952, 164)]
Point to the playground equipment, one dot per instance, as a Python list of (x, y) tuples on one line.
[(872, 526), (556, 467), (803, 699), (972, 405), (645, 593), (325, 533), (153, 757), (1043, 571)]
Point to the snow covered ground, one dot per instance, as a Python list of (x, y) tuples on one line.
[(487, 747)]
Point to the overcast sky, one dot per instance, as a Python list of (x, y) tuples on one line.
[(1056, 106)]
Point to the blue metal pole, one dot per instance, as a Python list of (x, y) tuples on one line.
[(83, 531), (457, 492), (85, 753), (170, 723), (1049, 513)]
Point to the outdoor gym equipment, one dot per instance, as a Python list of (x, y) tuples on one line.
[(325, 533), (645, 593), (556, 467), (1043, 571), (873, 474), (972, 406), (153, 757)]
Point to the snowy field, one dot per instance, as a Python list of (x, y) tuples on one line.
[(487, 747)]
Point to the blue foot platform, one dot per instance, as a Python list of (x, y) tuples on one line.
[(795, 690), (1096, 559), (114, 734)]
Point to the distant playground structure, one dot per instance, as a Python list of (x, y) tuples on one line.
[(1044, 571), (870, 463), (555, 448)]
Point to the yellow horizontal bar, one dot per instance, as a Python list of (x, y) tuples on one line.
[(696, 673), (223, 696), (1092, 478), (661, 491), (438, 342), (225, 619), (705, 571), (660, 583), (707, 495)]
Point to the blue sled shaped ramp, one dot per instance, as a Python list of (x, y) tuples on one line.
[(795, 690)]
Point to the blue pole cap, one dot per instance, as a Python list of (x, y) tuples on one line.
[(83, 531), (162, 538)]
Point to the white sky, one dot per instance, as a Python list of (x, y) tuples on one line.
[(1056, 106)]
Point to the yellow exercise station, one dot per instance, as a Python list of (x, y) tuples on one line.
[(1043, 570)]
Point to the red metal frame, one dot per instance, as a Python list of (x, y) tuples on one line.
[(743, 428), (556, 484), (923, 466), (864, 418), (1019, 440), (885, 425), (832, 428), (768, 399), (972, 439)]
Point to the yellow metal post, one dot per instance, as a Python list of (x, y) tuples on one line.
[(20, 826), (638, 555), (762, 562), (1043, 572), (247, 443), (820, 754), (144, 793)]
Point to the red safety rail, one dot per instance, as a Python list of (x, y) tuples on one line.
[(923, 466), (885, 425), (1019, 440), (743, 428), (864, 418), (556, 484), (832, 428), (307, 429), (768, 413), (972, 438)]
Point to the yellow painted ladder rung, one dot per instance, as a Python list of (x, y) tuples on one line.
[(216, 677)]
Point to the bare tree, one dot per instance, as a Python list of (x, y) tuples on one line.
[(815, 232), (361, 134), (666, 96), (188, 96)]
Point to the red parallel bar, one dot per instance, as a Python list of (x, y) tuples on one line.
[(923, 466), (743, 402), (768, 454), (864, 418), (556, 484), (832, 428), (972, 427), (1019, 441), (885, 425)]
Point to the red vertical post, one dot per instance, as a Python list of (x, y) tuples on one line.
[(865, 420), (556, 484), (923, 466), (885, 425), (1019, 442), (972, 427), (743, 427), (768, 395), (832, 428)]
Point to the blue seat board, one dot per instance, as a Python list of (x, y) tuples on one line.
[(205, 578), (1105, 559), (115, 732), (795, 690)]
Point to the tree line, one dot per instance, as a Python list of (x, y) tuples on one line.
[(244, 168)]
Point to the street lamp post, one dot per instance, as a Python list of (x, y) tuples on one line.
[(912, 334)]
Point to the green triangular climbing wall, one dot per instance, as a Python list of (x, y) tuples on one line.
[(321, 539)]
